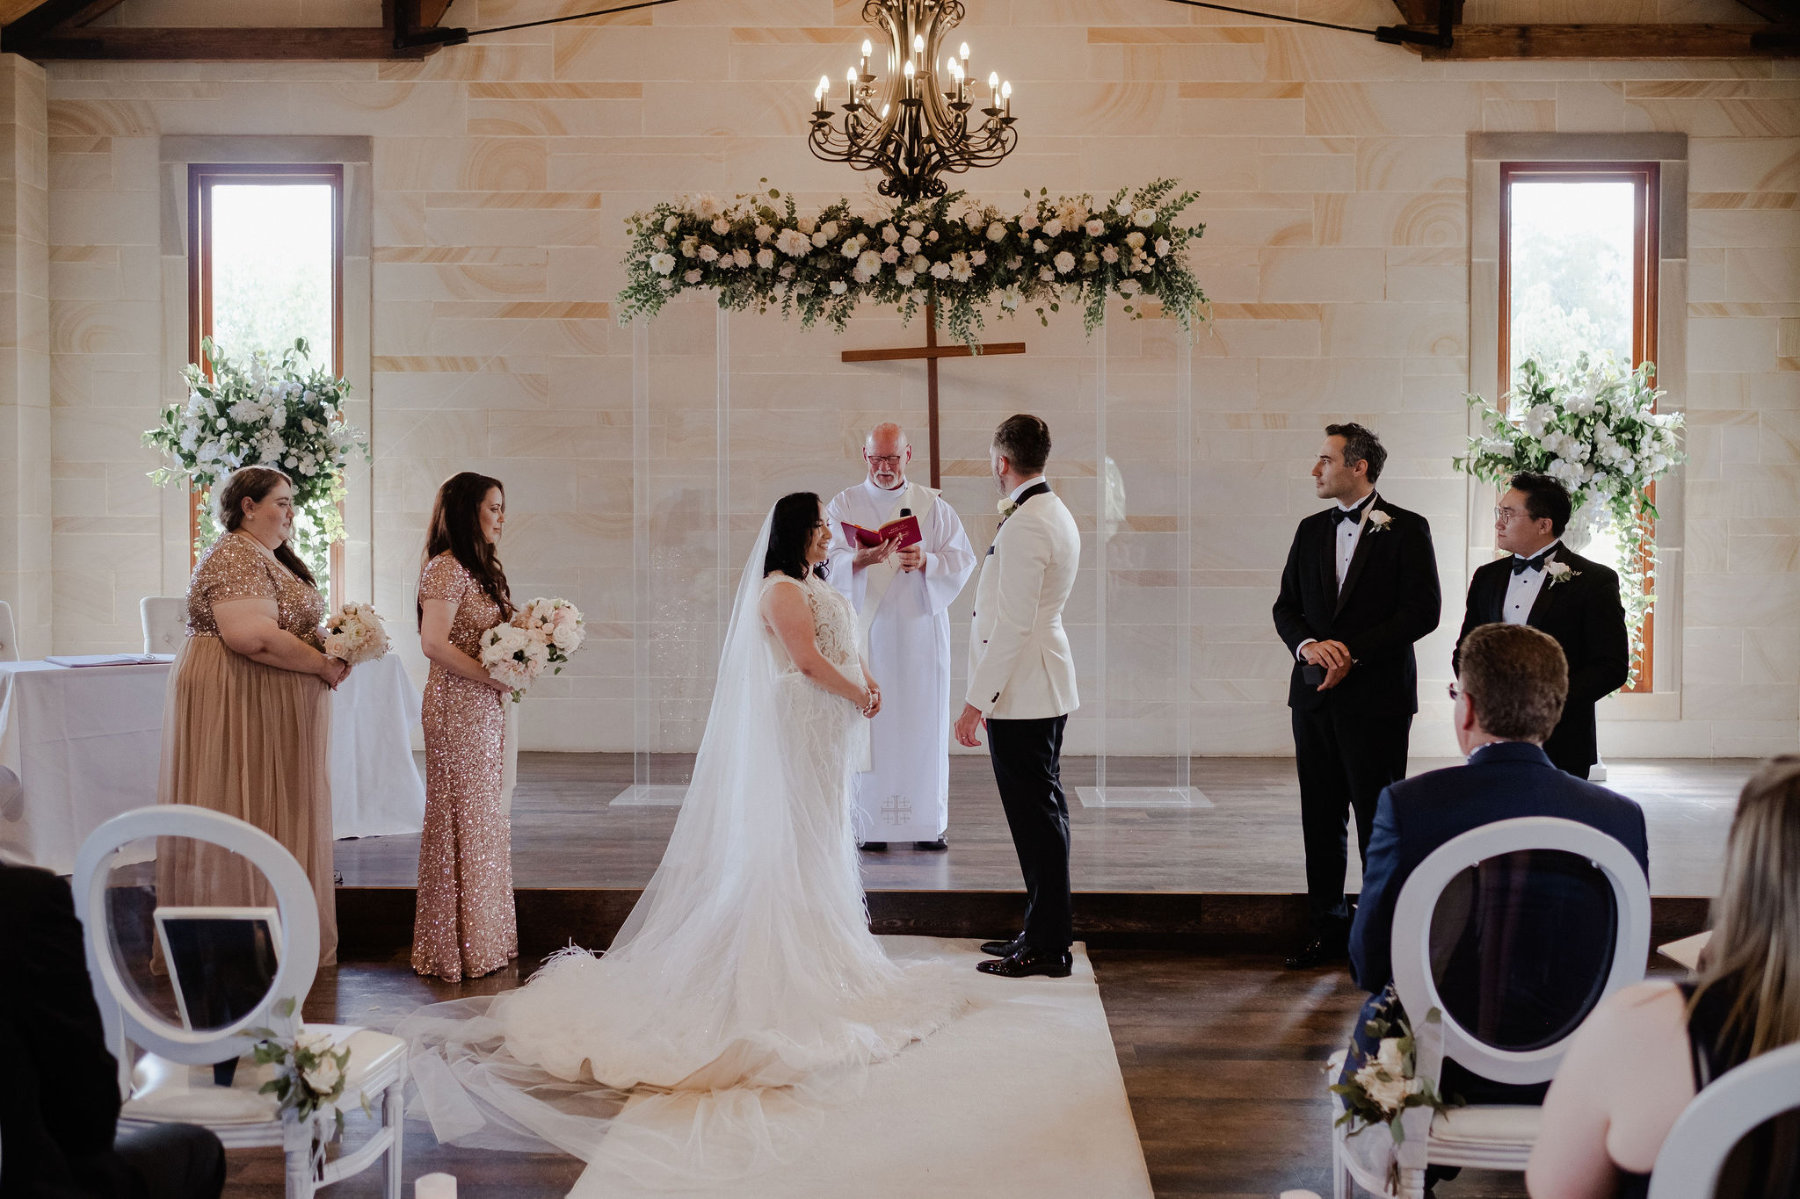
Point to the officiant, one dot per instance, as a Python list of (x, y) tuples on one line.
[(902, 597)]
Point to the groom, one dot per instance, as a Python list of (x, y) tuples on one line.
[(1022, 683)]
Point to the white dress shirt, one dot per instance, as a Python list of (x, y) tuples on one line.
[(1349, 532), (1018, 491), (1522, 590)]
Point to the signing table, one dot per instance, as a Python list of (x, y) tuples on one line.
[(79, 745)]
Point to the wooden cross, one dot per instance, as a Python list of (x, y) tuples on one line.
[(931, 351)]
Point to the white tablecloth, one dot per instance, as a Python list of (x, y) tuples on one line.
[(86, 744)]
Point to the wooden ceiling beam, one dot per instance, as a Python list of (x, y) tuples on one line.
[(216, 45), (1781, 11), (1490, 42), (431, 12)]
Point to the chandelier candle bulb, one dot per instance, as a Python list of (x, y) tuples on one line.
[(1006, 95)]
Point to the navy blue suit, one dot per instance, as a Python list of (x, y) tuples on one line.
[(1501, 781)]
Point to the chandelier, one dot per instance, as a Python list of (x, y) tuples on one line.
[(914, 125)]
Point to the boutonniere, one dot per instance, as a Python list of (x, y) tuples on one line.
[(1560, 572), (1006, 508), (1379, 520)]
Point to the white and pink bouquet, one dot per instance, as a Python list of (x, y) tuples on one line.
[(543, 634), (355, 635)]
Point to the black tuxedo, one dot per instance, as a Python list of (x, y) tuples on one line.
[(1585, 616), (59, 1105), (1351, 741), (1417, 815)]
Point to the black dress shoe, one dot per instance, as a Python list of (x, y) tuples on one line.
[(1321, 949), (1027, 962), (1003, 949), (874, 846), (937, 846)]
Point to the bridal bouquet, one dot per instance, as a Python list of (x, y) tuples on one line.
[(543, 634), (355, 635)]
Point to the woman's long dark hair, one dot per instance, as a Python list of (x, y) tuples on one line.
[(456, 527), (791, 527), (254, 483)]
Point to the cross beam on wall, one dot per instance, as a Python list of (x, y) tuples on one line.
[(64, 29)]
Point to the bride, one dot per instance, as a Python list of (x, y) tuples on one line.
[(744, 991)]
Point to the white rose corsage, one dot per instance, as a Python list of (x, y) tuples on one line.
[(1006, 508), (1379, 520), (1560, 572)]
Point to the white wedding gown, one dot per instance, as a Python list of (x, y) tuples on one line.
[(744, 992)]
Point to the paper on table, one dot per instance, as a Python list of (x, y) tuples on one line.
[(108, 659), (1686, 952)]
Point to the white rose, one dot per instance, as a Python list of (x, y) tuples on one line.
[(1135, 240), (1095, 227), (910, 245), (891, 255), (978, 257), (1053, 227), (764, 232), (905, 276), (916, 228), (819, 238), (839, 287), (1046, 273), (920, 264), (1143, 218), (1109, 254), (830, 230), (721, 226), (1389, 1057), (940, 270), (688, 246), (1010, 298), (765, 258), (996, 231), (708, 254), (741, 256), (1130, 287), (889, 234), (324, 1077), (692, 276), (1065, 262), (662, 264), (1162, 247), (670, 224), (567, 639), (1028, 221)]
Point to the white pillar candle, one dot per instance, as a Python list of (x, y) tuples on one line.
[(1299, 1195), (435, 1186)]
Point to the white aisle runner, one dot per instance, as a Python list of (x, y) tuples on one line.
[(1021, 1097)]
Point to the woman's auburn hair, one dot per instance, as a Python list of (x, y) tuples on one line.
[(456, 527), (254, 483)]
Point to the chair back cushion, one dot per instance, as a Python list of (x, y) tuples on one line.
[(165, 623)]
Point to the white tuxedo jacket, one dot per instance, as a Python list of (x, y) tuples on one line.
[(1020, 667)]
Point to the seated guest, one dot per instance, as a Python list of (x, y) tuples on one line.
[(1645, 1052), (59, 1105), (1508, 696)]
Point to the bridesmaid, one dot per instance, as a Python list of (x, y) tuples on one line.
[(249, 711), (465, 925)]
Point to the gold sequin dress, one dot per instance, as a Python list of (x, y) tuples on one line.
[(248, 740), (465, 925)]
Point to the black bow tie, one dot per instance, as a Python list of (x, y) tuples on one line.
[(1521, 565), (1355, 513)]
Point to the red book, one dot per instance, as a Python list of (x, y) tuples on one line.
[(906, 529)]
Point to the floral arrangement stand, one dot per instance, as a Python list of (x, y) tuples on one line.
[(760, 251), (279, 412), (1593, 426)]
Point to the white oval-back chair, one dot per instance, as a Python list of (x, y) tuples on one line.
[(172, 1082), (9, 634), (165, 623), (1720, 1116), (1488, 1136)]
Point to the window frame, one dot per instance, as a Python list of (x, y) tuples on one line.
[(1646, 180), (202, 177)]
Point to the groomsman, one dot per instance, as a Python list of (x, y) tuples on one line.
[(1022, 687), (1546, 585), (1360, 586)]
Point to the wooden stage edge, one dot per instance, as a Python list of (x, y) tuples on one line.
[(376, 922)]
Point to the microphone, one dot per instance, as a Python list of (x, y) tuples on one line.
[(906, 512)]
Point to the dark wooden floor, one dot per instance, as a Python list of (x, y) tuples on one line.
[(567, 833), (1222, 1059)]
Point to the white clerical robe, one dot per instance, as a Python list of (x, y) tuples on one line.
[(903, 788)]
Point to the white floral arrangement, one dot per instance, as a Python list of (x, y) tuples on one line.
[(542, 635), (283, 413), (1386, 1085), (356, 634), (1593, 426), (760, 252), (310, 1073)]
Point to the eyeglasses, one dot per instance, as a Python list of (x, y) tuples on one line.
[(883, 459), (1507, 515), (1454, 693)]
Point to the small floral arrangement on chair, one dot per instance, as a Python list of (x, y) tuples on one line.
[(309, 1080), (1386, 1085), (543, 634), (355, 634)]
